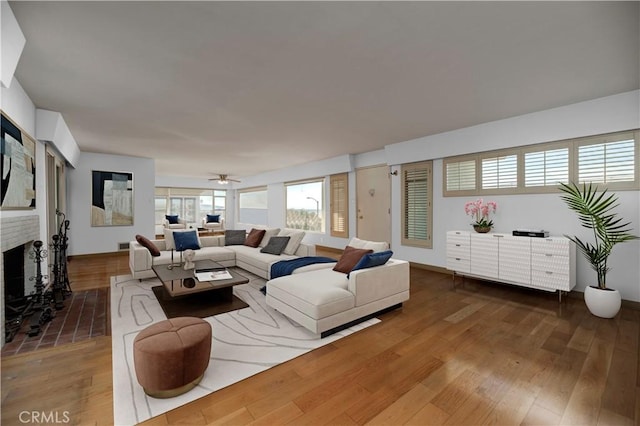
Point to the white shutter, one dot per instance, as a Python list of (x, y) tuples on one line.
[(461, 175), (500, 172), (546, 168), (607, 162), (416, 192)]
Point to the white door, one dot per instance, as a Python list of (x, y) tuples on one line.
[(373, 203)]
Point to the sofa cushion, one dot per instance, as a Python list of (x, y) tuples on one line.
[(372, 259), (350, 257), (254, 237), (186, 240), (318, 294), (268, 233), (170, 241), (372, 245), (294, 240), (234, 237), (145, 242), (276, 245), (213, 218), (172, 218)]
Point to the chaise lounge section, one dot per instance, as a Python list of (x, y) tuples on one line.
[(326, 301)]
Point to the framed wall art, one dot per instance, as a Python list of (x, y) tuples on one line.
[(17, 168), (111, 198)]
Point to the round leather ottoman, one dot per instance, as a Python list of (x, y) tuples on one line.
[(171, 356)]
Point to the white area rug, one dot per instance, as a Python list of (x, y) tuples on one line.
[(245, 342)]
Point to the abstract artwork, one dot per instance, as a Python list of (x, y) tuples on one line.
[(111, 198), (17, 168)]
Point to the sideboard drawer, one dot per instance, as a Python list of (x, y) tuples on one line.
[(550, 280), (550, 262), (554, 245), (459, 264)]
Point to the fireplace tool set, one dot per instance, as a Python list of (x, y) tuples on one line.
[(38, 306)]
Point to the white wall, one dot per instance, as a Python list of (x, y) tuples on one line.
[(609, 114), (86, 239)]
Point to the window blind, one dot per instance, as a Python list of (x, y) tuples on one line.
[(546, 168), (607, 162), (416, 185), (500, 172), (461, 175), (339, 194)]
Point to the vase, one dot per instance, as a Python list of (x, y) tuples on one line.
[(602, 303), (481, 229)]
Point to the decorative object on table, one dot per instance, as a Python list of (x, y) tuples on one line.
[(480, 211), (17, 168), (111, 198), (189, 254), (595, 212)]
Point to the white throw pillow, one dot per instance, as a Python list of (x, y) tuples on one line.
[(376, 246), (295, 238), (171, 243), (269, 232)]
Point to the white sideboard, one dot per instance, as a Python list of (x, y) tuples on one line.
[(541, 263)]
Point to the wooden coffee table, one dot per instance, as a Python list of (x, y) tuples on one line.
[(181, 294)]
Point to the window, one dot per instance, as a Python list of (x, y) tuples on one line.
[(546, 168), (339, 194), (416, 204), (191, 204), (252, 206), (305, 207), (500, 172), (460, 175), (609, 160)]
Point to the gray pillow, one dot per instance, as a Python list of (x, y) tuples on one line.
[(234, 237), (276, 245)]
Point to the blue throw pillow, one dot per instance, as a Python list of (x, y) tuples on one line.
[(373, 259), (213, 218), (173, 219), (186, 240)]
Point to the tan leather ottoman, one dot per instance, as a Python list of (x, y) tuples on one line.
[(171, 356)]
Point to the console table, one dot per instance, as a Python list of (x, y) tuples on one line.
[(542, 263)]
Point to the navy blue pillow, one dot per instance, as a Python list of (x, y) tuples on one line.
[(173, 219), (213, 218), (186, 240), (373, 259)]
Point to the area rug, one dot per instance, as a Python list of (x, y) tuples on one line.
[(245, 342)]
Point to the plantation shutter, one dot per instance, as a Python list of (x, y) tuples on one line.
[(461, 175), (607, 162), (339, 195), (500, 172), (416, 188), (546, 168)]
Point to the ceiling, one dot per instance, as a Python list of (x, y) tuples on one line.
[(249, 87)]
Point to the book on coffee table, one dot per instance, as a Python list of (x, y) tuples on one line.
[(213, 275)]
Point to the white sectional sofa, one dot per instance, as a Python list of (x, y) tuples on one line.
[(325, 301), (213, 247)]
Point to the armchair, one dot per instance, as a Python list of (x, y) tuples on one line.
[(180, 223), (209, 223)]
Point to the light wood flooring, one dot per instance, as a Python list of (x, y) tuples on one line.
[(478, 353)]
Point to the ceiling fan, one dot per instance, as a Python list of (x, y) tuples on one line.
[(224, 179)]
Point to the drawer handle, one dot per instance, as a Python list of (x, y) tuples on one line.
[(498, 236), (457, 233), (548, 272), (548, 254), (457, 245), (457, 258)]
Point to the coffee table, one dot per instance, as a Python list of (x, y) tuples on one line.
[(181, 294)]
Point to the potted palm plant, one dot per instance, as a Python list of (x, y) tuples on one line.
[(595, 212)]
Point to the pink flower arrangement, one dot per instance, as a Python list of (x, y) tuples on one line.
[(480, 211)]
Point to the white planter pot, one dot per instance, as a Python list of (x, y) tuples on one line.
[(602, 303)]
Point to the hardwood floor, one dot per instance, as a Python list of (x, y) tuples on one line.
[(478, 353)]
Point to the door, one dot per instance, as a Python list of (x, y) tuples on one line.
[(373, 203)]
